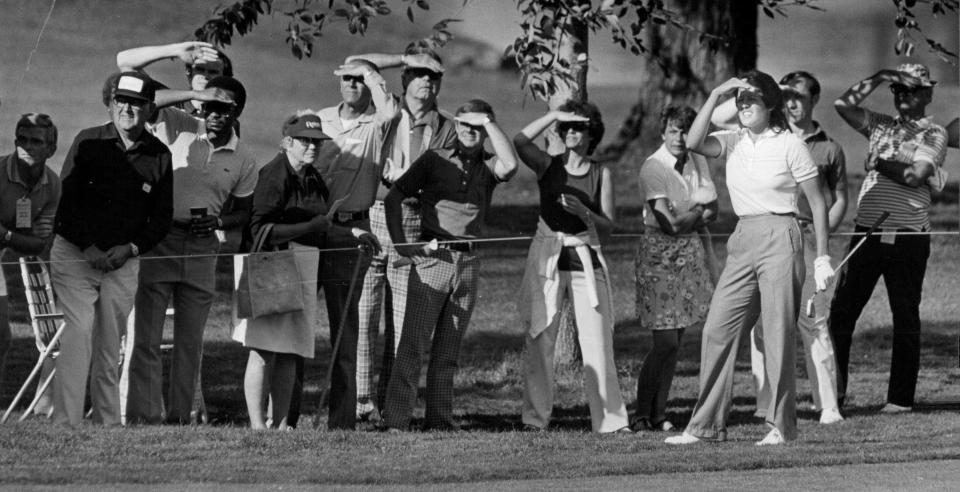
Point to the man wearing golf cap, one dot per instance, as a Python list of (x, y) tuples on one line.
[(117, 202), (351, 166), (905, 154)]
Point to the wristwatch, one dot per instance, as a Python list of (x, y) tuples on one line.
[(219, 223), (8, 236), (134, 250)]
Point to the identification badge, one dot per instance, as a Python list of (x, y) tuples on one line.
[(146, 187), (24, 219), (888, 236)]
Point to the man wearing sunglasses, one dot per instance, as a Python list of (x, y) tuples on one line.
[(117, 202), (351, 166), (904, 153), (420, 127), (210, 168)]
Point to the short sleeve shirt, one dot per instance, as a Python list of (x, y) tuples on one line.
[(352, 164), (903, 141), (203, 175), (43, 197), (660, 179), (454, 191), (762, 175), (831, 165)]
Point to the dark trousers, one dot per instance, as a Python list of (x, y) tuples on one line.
[(336, 271), (902, 266)]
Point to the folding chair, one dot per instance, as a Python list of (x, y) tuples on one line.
[(47, 325)]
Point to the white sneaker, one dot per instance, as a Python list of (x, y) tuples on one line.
[(774, 438), (830, 416), (682, 439), (893, 408)]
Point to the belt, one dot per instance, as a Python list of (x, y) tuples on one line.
[(342, 217), (183, 225), (463, 247)]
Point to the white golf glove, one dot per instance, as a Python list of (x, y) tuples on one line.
[(822, 272)]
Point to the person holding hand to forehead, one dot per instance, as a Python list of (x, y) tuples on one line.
[(210, 168), (454, 186), (565, 261), (764, 272), (906, 153)]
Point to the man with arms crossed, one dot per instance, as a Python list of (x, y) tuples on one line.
[(210, 167), (905, 153)]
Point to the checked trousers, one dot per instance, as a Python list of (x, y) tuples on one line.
[(383, 285), (442, 295)]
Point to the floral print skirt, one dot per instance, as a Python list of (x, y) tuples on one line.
[(673, 281)]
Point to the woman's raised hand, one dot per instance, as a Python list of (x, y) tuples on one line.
[(568, 116), (731, 85)]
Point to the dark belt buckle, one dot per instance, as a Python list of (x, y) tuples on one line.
[(344, 217)]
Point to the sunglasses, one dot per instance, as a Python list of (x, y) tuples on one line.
[(577, 126), (747, 98), (352, 79), (218, 107), (417, 73), (23, 141), (129, 101), (468, 126), (905, 89)]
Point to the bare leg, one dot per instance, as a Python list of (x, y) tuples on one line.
[(255, 381)]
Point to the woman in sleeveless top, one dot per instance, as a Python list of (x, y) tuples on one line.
[(565, 262)]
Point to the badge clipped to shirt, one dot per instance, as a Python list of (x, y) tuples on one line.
[(147, 187), (888, 236), (24, 219)]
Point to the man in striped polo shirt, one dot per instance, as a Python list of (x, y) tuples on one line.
[(905, 153)]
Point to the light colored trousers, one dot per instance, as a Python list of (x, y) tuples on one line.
[(763, 278), (817, 344), (95, 307), (595, 334)]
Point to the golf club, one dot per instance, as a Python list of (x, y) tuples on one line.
[(883, 217)]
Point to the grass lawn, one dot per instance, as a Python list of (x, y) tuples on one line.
[(488, 393)]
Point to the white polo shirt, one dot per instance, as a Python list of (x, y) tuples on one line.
[(203, 176), (660, 179), (762, 176)]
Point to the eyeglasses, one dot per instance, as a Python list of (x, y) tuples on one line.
[(577, 126), (308, 141), (129, 101), (747, 98), (905, 89), (218, 107), (351, 79), (416, 73)]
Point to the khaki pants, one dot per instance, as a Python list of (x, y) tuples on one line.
[(761, 280), (95, 307), (817, 344)]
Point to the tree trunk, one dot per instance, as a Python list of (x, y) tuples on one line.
[(685, 70)]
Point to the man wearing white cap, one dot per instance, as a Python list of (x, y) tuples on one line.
[(905, 154), (117, 201)]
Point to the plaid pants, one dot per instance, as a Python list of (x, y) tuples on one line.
[(442, 294), (382, 284)]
